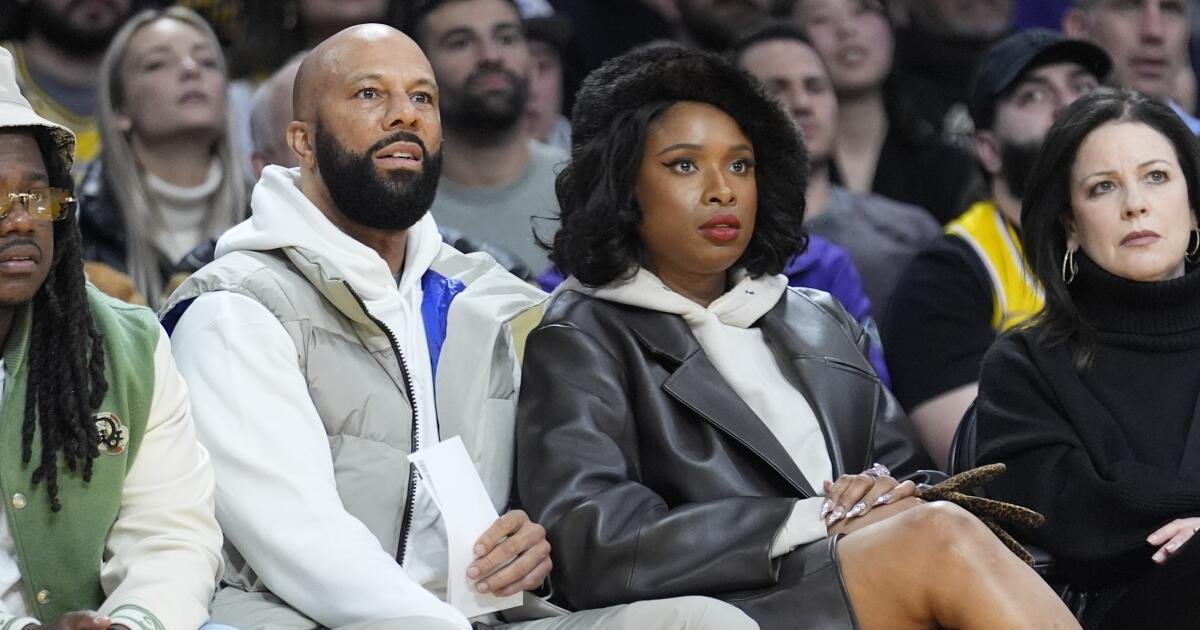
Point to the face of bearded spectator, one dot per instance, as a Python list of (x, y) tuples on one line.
[(854, 39), (1024, 114), (376, 130), (83, 27), (793, 73), (1146, 39), (479, 53), (716, 24), (171, 83), (979, 20)]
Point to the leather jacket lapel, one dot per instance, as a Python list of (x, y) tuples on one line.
[(843, 395), (697, 384)]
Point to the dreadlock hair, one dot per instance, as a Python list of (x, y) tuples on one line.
[(66, 354)]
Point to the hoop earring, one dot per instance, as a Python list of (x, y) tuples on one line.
[(1069, 267), (1193, 246)]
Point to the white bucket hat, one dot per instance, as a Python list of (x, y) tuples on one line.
[(15, 111)]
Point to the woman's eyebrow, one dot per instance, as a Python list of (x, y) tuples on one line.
[(676, 147)]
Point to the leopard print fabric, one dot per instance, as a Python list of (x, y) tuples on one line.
[(991, 512)]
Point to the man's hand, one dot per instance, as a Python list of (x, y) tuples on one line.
[(79, 620), (511, 556)]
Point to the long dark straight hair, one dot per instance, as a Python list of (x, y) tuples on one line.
[(1047, 204)]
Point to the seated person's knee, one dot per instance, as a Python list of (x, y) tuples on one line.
[(690, 613), (403, 623), (951, 529)]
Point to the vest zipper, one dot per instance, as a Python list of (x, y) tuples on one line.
[(409, 503)]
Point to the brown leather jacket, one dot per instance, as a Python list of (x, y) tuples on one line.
[(652, 477)]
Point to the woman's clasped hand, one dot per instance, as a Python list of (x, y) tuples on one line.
[(852, 496)]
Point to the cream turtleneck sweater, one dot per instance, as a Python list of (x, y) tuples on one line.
[(182, 210)]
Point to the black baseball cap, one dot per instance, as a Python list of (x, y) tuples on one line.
[(552, 29), (1010, 58), (544, 24)]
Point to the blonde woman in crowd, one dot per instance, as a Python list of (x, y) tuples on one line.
[(169, 176)]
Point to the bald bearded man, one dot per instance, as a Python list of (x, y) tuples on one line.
[(334, 335)]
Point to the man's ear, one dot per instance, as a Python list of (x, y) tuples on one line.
[(987, 148), (1075, 24), (303, 144)]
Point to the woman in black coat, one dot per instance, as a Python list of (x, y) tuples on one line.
[(1093, 406), (683, 414)]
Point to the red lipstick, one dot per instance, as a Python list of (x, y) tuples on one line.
[(721, 228)]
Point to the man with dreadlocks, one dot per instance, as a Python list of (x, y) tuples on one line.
[(335, 334), (107, 496)]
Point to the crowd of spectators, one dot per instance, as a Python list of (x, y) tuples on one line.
[(368, 226)]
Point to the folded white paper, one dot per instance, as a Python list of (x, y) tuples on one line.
[(452, 481)]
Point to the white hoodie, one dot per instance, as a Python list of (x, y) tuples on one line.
[(277, 500), (727, 335)]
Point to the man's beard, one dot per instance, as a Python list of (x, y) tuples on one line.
[(1016, 163), (394, 201), (472, 112), (58, 28)]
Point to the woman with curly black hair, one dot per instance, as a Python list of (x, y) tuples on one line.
[(683, 414)]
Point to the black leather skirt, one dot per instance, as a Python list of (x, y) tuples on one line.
[(810, 593)]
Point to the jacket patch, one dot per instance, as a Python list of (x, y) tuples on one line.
[(113, 436)]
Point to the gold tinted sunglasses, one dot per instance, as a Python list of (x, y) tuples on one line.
[(46, 204)]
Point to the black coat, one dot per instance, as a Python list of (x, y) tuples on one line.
[(102, 221), (653, 478), (102, 228), (1070, 458)]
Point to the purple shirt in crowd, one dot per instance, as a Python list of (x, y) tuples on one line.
[(1044, 13)]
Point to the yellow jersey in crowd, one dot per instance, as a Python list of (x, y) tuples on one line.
[(1016, 294)]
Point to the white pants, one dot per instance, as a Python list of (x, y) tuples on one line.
[(264, 611), (680, 613)]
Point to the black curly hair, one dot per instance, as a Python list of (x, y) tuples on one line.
[(598, 240), (66, 380)]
